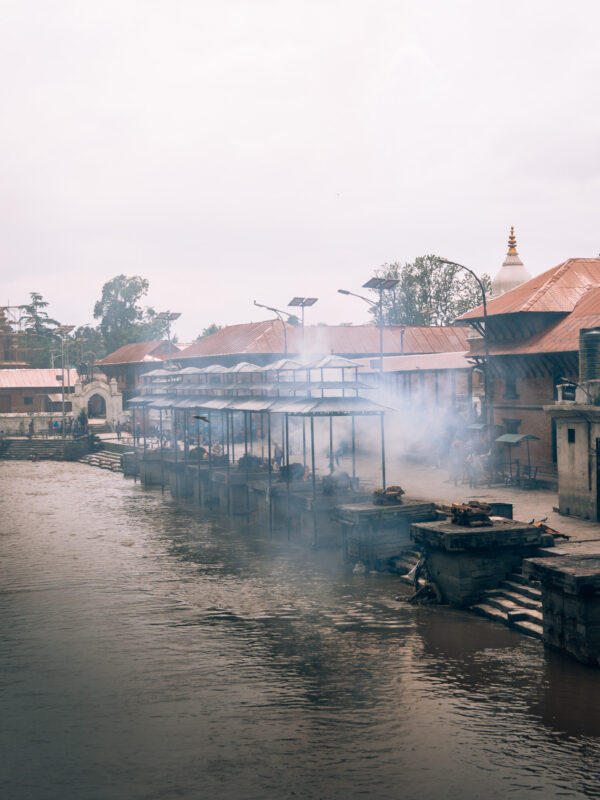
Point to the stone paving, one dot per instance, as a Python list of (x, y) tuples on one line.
[(433, 483)]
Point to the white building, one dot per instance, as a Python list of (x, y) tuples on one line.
[(512, 273)]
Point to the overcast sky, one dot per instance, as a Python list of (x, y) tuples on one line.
[(229, 151)]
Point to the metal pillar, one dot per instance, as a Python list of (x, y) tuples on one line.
[(314, 477), (162, 466), (270, 473), (330, 444), (353, 448), (287, 463), (382, 451)]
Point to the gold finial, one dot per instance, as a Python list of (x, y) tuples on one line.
[(512, 242)]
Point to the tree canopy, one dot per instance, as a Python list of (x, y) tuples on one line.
[(122, 319), (38, 342), (429, 292), (208, 331)]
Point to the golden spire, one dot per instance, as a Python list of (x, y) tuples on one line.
[(512, 242)]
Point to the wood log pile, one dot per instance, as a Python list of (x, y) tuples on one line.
[(468, 514), (392, 496)]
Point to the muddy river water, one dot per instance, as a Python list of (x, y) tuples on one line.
[(150, 650)]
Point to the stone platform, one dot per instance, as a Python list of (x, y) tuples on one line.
[(373, 534), (570, 603), (464, 562)]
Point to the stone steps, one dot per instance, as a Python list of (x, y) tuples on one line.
[(523, 589), (104, 459), (516, 603), (23, 449)]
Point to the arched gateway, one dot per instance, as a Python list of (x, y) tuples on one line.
[(99, 399)]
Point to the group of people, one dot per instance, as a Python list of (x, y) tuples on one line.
[(467, 460), (72, 427)]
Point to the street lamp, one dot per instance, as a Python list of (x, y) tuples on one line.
[(303, 302), (485, 337), (279, 313), (168, 317), (62, 331), (380, 285)]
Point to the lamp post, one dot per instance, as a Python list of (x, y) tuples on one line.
[(302, 302), (63, 331), (279, 313), (380, 285), (485, 339), (168, 317)]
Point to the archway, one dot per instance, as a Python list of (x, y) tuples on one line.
[(96, 407)]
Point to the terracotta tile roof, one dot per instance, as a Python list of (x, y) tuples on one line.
[(419, 363), (137, 352), (557, 290), (561, 336), (35, 378), (267, 338)]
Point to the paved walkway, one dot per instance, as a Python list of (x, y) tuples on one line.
[(432, 483)]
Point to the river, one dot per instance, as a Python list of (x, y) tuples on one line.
[(150, 650)]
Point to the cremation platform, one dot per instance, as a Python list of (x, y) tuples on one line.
[(570, 603), (464, 561), (373, 534)]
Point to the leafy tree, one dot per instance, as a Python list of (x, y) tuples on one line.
[(35, 317), (208, 331), (429, 292), (122, 318), (86, 347), (37, 340)]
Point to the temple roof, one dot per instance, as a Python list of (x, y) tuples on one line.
[(512, 273)]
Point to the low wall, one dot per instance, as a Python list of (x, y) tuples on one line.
[(18, 424)]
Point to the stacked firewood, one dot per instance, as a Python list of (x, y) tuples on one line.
[(392, 496), (468, 514)]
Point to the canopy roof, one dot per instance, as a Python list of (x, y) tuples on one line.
[(515, 438)]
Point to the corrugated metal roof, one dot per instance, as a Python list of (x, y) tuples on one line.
[(333, 362), (137, 352), (161, 402), (346, 406), (557, 290), (35, 378), (267, 338), (420, 363), (562, 336)]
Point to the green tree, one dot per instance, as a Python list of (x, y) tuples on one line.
[(429, 292), (122, 319), (38, 341), (208, 331)]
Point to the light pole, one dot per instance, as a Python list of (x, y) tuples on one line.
[(380, 285), (279, 313), (302, 302), (63, 331), (485, 340), (168, 317)]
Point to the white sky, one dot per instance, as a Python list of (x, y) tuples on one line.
[(229, 151)]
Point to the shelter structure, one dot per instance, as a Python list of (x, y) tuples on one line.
[(24, 391), (265, 342), (221, 432), (127, 364), (533, 339), (430, 381)]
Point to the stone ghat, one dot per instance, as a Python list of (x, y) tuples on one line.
[(373, 534), (466, 562), (570, 602)]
